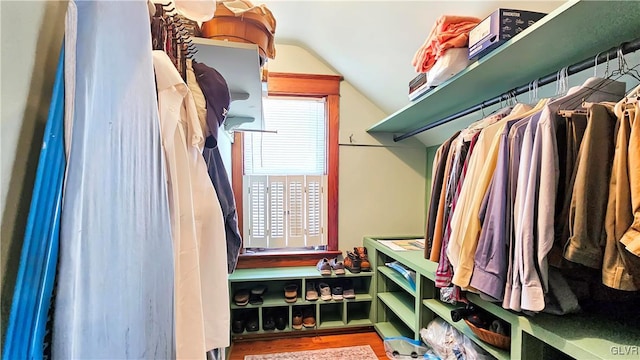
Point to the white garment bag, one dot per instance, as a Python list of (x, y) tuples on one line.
[(115, 281)]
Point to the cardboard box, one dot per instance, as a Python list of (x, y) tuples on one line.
[(500, 26)]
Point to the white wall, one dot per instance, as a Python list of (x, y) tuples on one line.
[(31, 37), (381, 183)]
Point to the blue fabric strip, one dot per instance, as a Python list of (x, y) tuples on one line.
[(36, 273)]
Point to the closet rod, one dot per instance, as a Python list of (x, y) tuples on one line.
[(612, 53)]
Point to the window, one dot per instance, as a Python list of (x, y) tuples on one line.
[(285, 183), (284, 175)]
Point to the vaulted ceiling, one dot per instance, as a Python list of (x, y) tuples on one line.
[(372, 43)]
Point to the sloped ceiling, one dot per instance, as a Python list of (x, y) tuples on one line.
[(372, 43)]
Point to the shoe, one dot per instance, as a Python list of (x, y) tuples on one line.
[(237, 326), (336, 293), (312, 293), (352, 262), (324, 267), (258, 290), (296, 322), (337, 265), (348, 291), (241, 297), (281, 320), (361, 251), (308, 319), (255, 299), (291, 293), (252, 324), (268, 323), (325, 291)]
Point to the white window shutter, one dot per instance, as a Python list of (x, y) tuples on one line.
[(277, 211), (296, 211), (314, 200), (256, 212)]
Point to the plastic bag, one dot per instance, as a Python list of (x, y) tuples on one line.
[(448, 344), (448, 295), (452, 62), (404, 348), (407, 273)]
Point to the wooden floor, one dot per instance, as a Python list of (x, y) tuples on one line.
[(240, 349)]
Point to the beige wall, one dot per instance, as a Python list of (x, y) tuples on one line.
[(31, 33), (381, 183)]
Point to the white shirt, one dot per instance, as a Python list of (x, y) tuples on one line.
[(201, 287)]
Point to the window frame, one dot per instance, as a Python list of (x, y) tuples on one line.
[(297, 85)]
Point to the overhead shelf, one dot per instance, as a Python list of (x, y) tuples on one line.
[(565, 36), (239, 64)]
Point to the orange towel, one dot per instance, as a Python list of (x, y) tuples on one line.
[(449, 31)]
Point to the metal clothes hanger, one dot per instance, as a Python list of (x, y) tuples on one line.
[(624, 68)]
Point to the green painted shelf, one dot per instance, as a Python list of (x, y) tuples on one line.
[(331, 324), (270, 300), (287, 273), (331, 314), (581, 336), (359, 322), (249, 333), (388, 329), (396, 278), (402, 304), (573, 32), (444, 312), (412, 259), (360, 297), (585, 337)]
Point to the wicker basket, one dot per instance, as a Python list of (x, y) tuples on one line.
[(235, 29), (255, 26), (497, 340)]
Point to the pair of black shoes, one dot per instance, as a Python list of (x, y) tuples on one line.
[(249, 321), (244, 321), (274, 320)]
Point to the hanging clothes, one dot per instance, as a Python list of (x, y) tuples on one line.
[(198, 98), (201, 290), (440, 165), (465, 221), (115, 281), (631, 238), (591, 189), (576, 125), (516, 136), (461, 150), (218, 98), (620, 265), (540, 183), (490, 259), (438, 231)]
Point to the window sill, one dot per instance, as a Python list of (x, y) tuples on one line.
[(284, 259)]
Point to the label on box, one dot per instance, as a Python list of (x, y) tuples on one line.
[(497, 28), (480, 31)]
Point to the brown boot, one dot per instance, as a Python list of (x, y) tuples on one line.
[(361, 251), (352, 262)]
